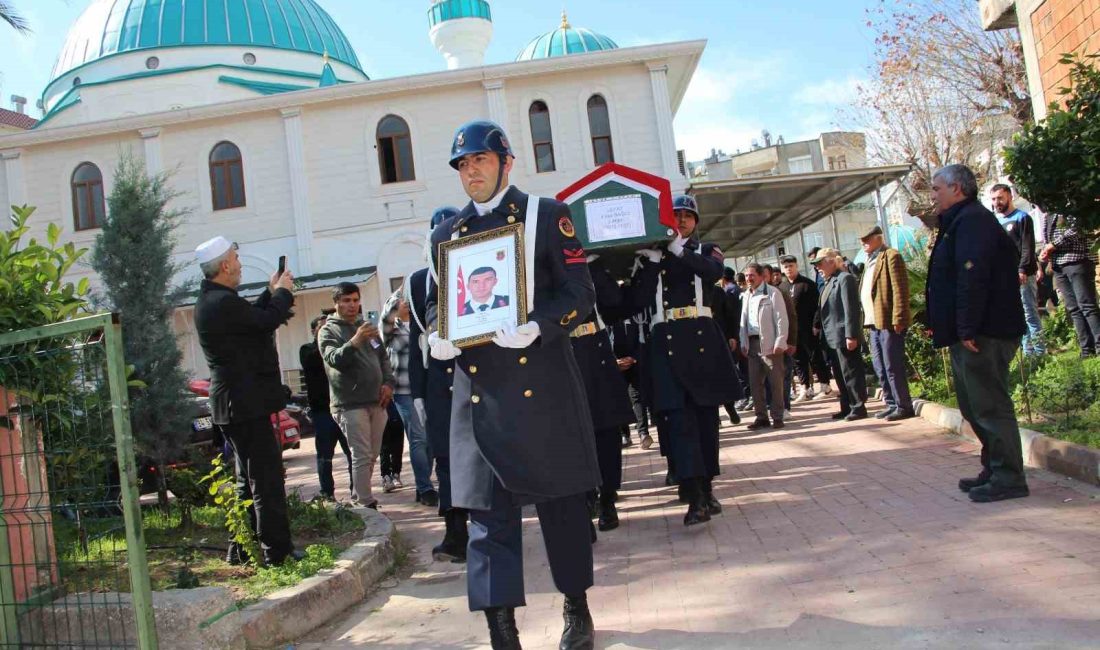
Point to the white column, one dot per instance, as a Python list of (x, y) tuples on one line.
[(299, 189), (151, 139), (880, 213), (497, 102), (658, 79), (13, 175)]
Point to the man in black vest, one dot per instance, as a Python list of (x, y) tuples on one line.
[(521, 432), (691, 368), (238, 340), (431, 382)]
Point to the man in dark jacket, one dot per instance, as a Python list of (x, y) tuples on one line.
[(803, 291), (973, 298), (238, 340), (839, 319), (327, 432)]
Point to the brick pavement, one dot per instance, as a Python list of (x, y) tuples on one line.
[(838, 535)]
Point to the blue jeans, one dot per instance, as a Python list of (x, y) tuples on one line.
[(419, 453), (327, 436), (1033, 340), (888, 358)]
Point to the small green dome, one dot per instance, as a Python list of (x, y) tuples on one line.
[(113, 26), (564, 40)]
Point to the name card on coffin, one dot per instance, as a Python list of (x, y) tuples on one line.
[(618, 209)]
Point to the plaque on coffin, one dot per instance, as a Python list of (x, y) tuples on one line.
[(618, 209)]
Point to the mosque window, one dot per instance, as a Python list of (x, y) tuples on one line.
[(89, 210), (226, 176), (541, 136), (152, 63), (395, 157), (599, 124), (249, 58)]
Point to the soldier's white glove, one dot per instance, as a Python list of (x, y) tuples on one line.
[(676, 246), (442, 349), (511, 336), (592, 258), (649, 254), (421, 412)]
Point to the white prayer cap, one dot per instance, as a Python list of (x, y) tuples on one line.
[(212, 249)]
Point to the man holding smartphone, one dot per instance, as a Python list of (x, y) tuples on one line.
[(361, 384)]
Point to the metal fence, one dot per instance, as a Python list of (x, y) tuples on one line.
[(73, 569)]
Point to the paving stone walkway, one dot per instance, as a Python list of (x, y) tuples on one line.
[(834, 535)]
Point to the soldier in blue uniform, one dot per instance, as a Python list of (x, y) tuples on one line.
[(430, 381), (690, 366), (608, 396), (521, 432)]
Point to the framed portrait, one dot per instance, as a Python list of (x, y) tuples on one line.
[(482, 285)]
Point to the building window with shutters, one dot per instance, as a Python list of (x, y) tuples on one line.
[(226, 176), (599, 124), (541, 137), (395, 159), (89, 210)]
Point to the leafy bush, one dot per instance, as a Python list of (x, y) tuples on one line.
[(1054, 162), (238, 518), (1065, 389), (1058, 332), (320, 517)]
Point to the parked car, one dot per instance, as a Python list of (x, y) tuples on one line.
[(286, 428)]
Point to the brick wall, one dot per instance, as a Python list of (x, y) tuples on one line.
[(1062, 26)]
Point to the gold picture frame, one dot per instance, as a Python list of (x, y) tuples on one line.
[(482, 285)]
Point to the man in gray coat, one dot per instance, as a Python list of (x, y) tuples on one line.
[(840, 319), (361, 385)]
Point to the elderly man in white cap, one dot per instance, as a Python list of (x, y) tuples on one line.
[(238, 339)]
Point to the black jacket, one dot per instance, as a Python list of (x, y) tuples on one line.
[(973, 289), (803, 291), (431, 382), (238, 340), (313, 371)]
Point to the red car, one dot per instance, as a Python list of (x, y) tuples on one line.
[(285, 427)]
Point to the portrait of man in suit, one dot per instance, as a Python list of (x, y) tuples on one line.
[(481, 284)]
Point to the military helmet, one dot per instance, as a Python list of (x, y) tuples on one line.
[(442, 214), (686, 202), (479, 136)]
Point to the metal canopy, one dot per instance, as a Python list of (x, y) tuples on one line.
[(746, 215)]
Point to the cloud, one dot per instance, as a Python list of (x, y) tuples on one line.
[(711, 114), (830, 92)]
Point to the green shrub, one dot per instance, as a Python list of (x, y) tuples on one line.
[(1058, 332), (1064, 389)]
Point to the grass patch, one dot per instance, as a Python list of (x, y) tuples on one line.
[(1080, 432), (92, 551)]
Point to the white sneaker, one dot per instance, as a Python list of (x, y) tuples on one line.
[(397, 484), (786, 414), (387, 484), (804, 395)]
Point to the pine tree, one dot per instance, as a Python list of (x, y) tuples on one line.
[(133, 256)]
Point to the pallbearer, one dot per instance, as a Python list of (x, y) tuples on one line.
[(608, 399), (690, 367), (431, 390), (521, 432)]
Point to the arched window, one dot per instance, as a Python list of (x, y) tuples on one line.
[(87, 185), (395, 156), (599, 124), (541, 136), (226, 176)]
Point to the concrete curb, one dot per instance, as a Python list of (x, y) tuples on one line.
[(1066, 458), (291, 613)]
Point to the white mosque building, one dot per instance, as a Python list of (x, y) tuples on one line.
[(276, 137)]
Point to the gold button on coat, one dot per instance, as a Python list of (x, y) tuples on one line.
[(511, 219), (528, 392), (450, 370), (523, 361), (475, 399), (473, 370), (465, 228)]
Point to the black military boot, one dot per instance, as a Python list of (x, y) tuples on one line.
[(714, 507), (503, 634), (453, 547), (697, 505), (580, 631), (967, 484), (609, 515)]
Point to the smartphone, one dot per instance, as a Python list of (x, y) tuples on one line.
[(282, 264), (372, 317)]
